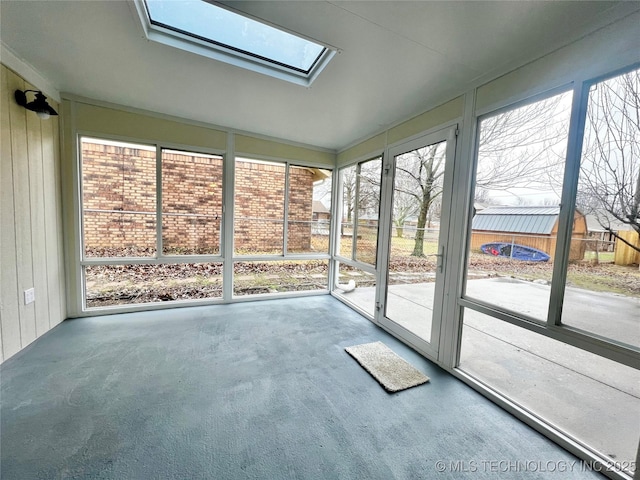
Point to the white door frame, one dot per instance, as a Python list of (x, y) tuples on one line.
[(429, 349)]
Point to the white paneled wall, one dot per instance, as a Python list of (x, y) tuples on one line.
[(31, 254)]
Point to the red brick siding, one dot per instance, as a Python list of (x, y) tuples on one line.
[(300, 209), (191, 185), (118, 178), (259, 207), (124, 179)]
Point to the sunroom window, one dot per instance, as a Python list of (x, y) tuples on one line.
[(208, 29)]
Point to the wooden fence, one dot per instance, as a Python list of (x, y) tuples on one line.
[(624, 254)]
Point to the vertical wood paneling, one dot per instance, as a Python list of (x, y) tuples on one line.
[(37, 203), (22, 210), (31, 222), (57, 199), (10, 317), (52, 221)]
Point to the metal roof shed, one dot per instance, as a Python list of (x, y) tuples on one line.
[(535, 227)]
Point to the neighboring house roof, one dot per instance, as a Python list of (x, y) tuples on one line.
[(534, 220), (594, 222), (318, 207), (319, 173)]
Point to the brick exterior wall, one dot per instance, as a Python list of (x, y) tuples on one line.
[(191, 204), (121, 179), (300, 209), (118, 179), (259, 208)]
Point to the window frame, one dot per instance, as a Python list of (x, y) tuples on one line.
[(226, 256), (552, 326), (193, 43), (84, 260), (159, 258), (479, 118), (285, 255), (352, 260), (160, 238)]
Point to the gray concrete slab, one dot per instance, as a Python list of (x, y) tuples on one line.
[(416, 299), (250, 390), (594, 398), (611, 315)]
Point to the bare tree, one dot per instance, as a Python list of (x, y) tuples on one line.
[(524, 147), (348, 192), (419, 175), (369, 187), (361, 188), (404, 207), (434, 212), (609, 184), (481, 195)]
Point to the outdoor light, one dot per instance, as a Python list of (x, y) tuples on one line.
[(39, 105)]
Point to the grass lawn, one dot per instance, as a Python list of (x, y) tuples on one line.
[(404, 246), (603, 257)]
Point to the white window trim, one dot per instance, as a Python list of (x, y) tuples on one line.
[(285, 254), (191, 44), (226, 255), (550, 326)]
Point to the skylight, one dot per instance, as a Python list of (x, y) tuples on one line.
[(208, 29)]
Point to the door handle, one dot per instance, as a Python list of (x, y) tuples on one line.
[(440, 256)]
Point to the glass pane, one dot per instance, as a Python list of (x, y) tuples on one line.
[(217, 25), (521, 157), (606, 279), (360, 198), (348, 204), (368, 210), (252, 278), (191, 203), (321, 220), (309, 210), (108, 285), (418, 178), (590, 397), (259, 207), (357, 287), (118, 199)]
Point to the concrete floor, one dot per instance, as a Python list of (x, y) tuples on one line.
[(594, 399), (249, 390)]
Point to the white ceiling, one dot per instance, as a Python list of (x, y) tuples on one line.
[(398, 59)]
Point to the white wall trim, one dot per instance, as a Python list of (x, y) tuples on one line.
[(28, 72)]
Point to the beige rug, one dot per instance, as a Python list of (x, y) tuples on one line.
[(391, 371)]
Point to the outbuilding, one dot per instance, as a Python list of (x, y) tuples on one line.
[(535, 227)]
